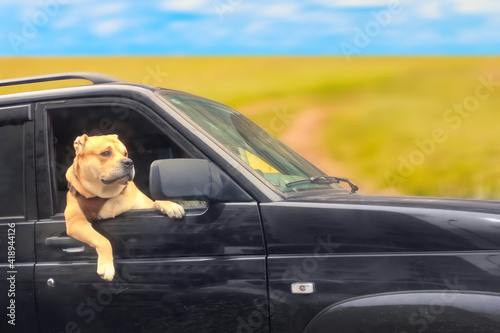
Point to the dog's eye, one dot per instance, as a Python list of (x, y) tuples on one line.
[(126, 154), (106, 153)]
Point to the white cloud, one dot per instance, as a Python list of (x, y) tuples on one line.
[(103, 19), (295, 13), (68, 21), (328, 18), (184, 5), (256, 27), (20, 3), (108, 27), (476, 6), (109, 8), (430, 10), (283, 10), (354, 3)]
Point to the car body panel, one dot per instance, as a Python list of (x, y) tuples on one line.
[(17, 246), (350, 250), (446, 311), (172, 276)]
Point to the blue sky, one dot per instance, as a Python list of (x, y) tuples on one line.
[(244, 27)]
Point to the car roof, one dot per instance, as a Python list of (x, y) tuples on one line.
[(101, 84)]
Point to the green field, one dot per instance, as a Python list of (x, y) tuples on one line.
[(403, 125)]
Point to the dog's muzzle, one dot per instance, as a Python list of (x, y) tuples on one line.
[(127, 174)]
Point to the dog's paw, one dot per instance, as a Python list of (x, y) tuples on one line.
[(106, 270), (171, 209)]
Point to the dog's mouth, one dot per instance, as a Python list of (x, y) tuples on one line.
[(122, 180)]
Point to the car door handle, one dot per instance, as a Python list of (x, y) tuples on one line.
[(65, 243)]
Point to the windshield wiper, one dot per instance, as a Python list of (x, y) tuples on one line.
[(324, 180)]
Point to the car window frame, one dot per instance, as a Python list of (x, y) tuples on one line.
[(22, 115)]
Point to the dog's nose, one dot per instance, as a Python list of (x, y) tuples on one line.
[(127, 163)]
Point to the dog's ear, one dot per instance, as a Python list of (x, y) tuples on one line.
[(79, 143)]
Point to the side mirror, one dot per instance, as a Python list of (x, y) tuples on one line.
[(193, 179)]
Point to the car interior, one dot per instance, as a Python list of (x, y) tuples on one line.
[(144, 140)]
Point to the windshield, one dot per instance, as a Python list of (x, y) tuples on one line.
[(250, 144)]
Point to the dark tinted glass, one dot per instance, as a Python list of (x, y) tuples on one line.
[(11, 171)]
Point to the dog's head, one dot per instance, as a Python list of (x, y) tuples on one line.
[(102, 164)]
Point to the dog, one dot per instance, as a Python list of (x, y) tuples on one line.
[(101, 186)]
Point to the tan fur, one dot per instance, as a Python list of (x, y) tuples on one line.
[(90, 168)]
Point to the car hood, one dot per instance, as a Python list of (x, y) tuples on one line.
[(380, 224), (482, 206)]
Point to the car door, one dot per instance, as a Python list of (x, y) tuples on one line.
[(17, 217), (204, 273)]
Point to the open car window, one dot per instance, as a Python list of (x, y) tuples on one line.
[(145, 142)]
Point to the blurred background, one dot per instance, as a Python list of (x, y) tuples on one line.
[(401, 97)]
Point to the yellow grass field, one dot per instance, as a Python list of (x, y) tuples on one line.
[(401, 125)]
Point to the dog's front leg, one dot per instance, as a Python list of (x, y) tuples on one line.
[(79, 228)]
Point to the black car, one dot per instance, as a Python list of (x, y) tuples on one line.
[(269, 242)]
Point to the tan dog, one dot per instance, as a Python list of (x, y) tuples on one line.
[(101, 187)]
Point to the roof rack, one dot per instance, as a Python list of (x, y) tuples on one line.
[(95, 78)]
